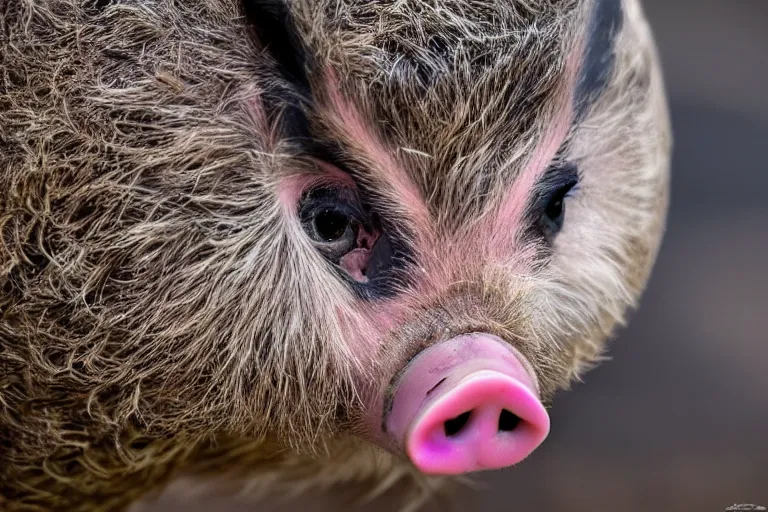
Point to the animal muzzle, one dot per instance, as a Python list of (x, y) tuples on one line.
[(467, 404)]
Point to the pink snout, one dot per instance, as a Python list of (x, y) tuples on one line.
[(468, 404)]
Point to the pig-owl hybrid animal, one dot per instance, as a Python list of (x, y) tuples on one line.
[(308, 242)]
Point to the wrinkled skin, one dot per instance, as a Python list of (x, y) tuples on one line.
[(164, 309)]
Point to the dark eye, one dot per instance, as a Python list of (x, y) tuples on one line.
[(334, 232), (331, 220), (555, 187), (555, 211), (330, 225)]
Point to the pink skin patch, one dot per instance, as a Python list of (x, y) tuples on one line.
[(355, 263), (467, 404)]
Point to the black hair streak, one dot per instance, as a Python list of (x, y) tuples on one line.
[(286, 97), (599, 55), (276, 30)]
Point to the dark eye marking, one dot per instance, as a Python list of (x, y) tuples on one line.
[(599, 56), (546, 213), (283, 81), (276, 30)]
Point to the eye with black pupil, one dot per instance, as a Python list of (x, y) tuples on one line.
[(553, 214), (331, 225), (331, 219), (556, 207)]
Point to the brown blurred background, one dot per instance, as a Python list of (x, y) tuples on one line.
[(678, 421)]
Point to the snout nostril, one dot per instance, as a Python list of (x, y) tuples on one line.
[(455, 425), (508, 421)]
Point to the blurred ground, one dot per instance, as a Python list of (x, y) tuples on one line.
[(678, 421)]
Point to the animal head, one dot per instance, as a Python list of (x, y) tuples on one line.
[(254, 219)]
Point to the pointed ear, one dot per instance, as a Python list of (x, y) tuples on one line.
[(275, 28)]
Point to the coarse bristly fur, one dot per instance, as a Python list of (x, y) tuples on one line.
[(164, 315)]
